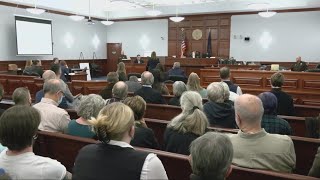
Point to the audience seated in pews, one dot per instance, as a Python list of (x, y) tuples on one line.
[(315, 169), (143, 136), (285, 101), (64, 71), (253, 146), (119, 92), (121, 71), (1, 96), (34, 70), (21, 96), (133, 84), (229, 96), (112, 78), (146, 92), (68, 97), (53, 118), (159, 85), (187, 126), (194, 85), (176, 70), (163, 74), (225, 77), (219, 112), (89, 107), (178, 87), (114, 157), (299, 65), (18, 131), (152, 61), (270, 122), (211, 157)]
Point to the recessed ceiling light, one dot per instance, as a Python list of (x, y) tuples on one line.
[(107, 23), (267, 14), (258, 6), (35, 11), (176, 18)]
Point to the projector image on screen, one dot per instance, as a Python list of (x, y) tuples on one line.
[(34, 36)]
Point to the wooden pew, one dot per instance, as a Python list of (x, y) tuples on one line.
[(87, 87), (65, 148), (11, 82), (305, 148)]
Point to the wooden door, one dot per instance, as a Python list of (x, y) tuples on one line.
[(113, 53)]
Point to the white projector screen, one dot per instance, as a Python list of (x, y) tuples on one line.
[(34, 36)]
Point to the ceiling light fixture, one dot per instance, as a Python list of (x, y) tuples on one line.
[(176, 18), (153, 12), (267, 14), (35, 10), (258, 6), (76, 17), (107, 22), (90, 22)]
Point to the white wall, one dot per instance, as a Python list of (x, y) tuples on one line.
[(279, 38), (140, 36), (69, 37)]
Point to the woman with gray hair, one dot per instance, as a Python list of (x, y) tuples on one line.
[(187, 126), (179, 87), (88, 108)]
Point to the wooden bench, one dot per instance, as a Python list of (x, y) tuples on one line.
[(87, 87), (305, 148), (65, 148)]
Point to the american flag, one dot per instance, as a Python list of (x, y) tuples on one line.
[(183, 43)]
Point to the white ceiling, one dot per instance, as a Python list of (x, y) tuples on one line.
[(123, 9)]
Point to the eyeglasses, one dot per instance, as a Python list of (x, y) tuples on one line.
[(35, 137)]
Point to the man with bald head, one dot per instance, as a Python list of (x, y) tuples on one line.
[(47, 75), (119, 92), (253, 146), (176, 70), (146, 92), (299, 65), (53, 118)]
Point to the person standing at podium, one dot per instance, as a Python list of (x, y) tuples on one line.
[(299, 65), (138, 60), (152, 61)]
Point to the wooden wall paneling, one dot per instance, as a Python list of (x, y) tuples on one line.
[(172, 48), (197, 46), (172, 34), (223, 48)]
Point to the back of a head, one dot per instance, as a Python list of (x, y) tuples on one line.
[(35, 62), (48, 74), (226, 90), (90, 106), (216, 92), (211, 156), (153, 55), (179, 87), (28, 63), (277, 79), (121, 67), (120, 90), (56, 69), (18, 126), (270, 102), (193, 82), (192, 119), (133, 78), (53, 86), (112, 77), (224, 73), (113, 121), (147, 78), (63, 63), (21, 96), (160, 67), (249, 108), (176, 65), (156, 75), (138, 106)]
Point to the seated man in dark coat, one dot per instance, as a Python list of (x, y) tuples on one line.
[(218, 112), (146, 92), (299, 65), (112, 79), (176, 70), (225, 77), (285, 101), (138, 60)]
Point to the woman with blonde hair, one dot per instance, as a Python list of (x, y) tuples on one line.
[(152, 61), (114, 156), (28, 63), (122, 72), (194, 85), (187, 126)]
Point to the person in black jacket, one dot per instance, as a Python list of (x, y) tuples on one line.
[(112, 78), (219, 112), (143, 137), (179, 87), (187, 126), (285, 101), (152, 61), (146, 92)]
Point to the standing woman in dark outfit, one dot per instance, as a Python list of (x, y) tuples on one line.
[(152, 61)]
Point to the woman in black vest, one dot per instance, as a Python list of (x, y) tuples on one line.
[(152, 61), (114, 157)]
